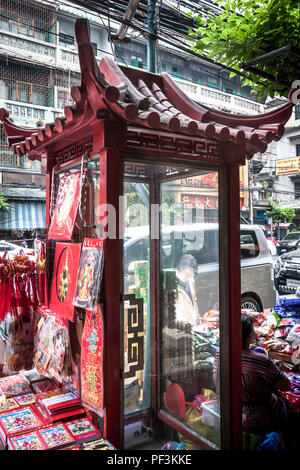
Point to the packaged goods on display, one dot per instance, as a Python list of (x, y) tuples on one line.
[(40, 404)]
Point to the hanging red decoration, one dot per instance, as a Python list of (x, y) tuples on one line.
[(17, 286)]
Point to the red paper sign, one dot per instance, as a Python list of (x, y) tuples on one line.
[(66, 207), (67, 256), (92, 390)]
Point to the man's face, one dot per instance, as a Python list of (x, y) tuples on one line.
[(186, 274)]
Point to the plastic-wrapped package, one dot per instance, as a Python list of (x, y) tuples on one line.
[(294, 336), (66, 207), (19, 351), (89, 274), (52, 349)]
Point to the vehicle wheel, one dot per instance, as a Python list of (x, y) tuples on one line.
[(249, 303)]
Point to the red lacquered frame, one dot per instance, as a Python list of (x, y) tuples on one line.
[(124, 114)]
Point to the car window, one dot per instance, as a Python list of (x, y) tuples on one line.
[(292, 236), (249, 245), (138, 251), (203, 245), (4, 247)]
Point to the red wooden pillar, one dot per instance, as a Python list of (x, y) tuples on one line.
[(232, 335), (108, 137), (235, 340)]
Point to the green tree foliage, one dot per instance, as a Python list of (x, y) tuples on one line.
[(247, 29), (4, 205), (280, 215)]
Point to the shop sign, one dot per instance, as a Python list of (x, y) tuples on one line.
[(209, 179), (287, 166), (205, 202)]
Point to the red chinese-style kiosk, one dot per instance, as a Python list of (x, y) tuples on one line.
[(142, 142)]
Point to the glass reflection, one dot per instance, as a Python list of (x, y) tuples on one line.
[(189, 245)]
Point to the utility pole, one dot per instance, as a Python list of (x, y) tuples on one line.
[(151, 40)]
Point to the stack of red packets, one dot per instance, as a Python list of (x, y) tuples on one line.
[(59, 405), (43, 420), (56, 436)]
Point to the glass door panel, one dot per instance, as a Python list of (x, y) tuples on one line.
[(136, 264), (189, 304), (171, 304)]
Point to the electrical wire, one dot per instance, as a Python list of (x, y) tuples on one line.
[(207, 73), (156, 36)]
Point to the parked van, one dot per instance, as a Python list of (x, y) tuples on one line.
[(201, 241)]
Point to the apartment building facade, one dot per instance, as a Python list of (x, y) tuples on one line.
[(38, 67)]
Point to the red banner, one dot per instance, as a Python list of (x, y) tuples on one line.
[(67, 256), (92, 347)]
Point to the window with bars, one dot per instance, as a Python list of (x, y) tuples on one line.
[(16, 90), (212, 82), (138, 62), (177, 72), (162, 68), (297, 112), (297, 150), (297, 188), (7, 158), (66, 40), (29, 19), (63, 98)]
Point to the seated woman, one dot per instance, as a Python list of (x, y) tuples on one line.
[(263, 409)]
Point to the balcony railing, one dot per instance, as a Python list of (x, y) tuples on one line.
[(31, 46), (218, 98)]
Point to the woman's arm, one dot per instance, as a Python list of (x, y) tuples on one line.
[(283, 384)]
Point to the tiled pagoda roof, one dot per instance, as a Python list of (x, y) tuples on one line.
[(144, 100)]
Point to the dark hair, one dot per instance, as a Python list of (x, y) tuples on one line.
[(187, 261), (247, 326)]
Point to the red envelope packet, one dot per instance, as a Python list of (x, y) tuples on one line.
[(66, 415), (56, 435), (7, 404), (56, 403), (19, 421), (82, 429), (26, 441), (13, 385)]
